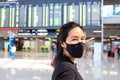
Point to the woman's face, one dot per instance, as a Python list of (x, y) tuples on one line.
[(75, 35)]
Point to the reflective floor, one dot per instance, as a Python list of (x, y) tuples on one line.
[(40, 69), (108, 69), (25, 69)]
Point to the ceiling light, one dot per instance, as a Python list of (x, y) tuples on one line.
[(112, 39), (118, 38), (112, 36), (97, 31)]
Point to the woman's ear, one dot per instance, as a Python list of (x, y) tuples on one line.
[(63, 44)]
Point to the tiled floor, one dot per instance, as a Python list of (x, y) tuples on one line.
[(38, 69)]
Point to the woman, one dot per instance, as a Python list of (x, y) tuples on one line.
[(70, 45)]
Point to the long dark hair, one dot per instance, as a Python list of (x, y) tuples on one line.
[(63, 34)]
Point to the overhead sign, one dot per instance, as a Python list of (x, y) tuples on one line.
[(50, 13)]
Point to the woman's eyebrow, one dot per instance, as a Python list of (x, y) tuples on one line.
[(74, 36), (78, 37)]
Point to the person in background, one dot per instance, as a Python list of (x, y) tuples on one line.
[(13, 50), (118, 52), (54, 51), (109, 52), (70, 46)]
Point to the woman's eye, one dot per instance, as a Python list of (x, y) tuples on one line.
[(74, 39)]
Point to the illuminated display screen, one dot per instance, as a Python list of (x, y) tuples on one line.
[(7, 16), (88, 11), (57, 14), (22, 16), (87, 14), (95, 14), (116, 10), (4, 17)]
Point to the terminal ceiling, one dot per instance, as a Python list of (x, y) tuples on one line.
[(106, 2)]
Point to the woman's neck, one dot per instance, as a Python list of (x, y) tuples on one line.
[(74, 60)]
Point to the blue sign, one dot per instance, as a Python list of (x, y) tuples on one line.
[(11, 43)]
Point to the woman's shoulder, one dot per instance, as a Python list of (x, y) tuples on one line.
[(65, 66), (64, 69)]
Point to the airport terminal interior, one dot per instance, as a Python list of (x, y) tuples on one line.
[(33, 25)]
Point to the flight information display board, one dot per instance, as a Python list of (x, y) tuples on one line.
[(7, 14), (87, 14)]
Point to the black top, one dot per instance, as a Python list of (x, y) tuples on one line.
[(66, 70)]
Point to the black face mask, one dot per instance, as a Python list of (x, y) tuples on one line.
[(76, 50)]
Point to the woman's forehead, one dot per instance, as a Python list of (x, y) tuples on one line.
[(77, 31)]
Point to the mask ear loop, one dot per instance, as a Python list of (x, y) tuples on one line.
[(84, 48)]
